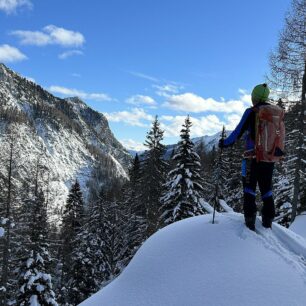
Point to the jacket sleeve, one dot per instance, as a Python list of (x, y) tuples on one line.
[(240, 128)]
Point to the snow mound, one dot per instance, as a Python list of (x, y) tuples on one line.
[(299, 225), (194, 262)]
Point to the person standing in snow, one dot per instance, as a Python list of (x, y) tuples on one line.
[(263, 146)]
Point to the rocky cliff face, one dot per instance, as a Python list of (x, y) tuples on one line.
[(68, 137)]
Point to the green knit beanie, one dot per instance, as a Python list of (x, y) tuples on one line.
[(260, 93)]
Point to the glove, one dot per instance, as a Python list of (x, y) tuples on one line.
[(221, 143)]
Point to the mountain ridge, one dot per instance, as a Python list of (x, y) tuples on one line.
[(76, 140)]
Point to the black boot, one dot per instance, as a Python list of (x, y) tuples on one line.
[(250, 222), (266, 222)]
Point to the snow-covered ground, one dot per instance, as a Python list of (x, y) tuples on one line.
[(299, 225), (196, 263)]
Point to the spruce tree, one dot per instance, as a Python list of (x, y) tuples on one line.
[(234, 188), (88, 272), (114, 245), (36, 285), (133, 211), (153, 175), (73, 216), (83, 281), (35, 282), (132, 189), (184, 185), (229, 161)]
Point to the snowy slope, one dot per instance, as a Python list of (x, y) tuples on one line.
[(196, 263), (299, 225), (72, 136)]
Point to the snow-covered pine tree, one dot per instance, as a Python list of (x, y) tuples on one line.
[(113, 242), (35, 283), (88, 272), (184, 185), (132, 189), (231, 163), (73, 219), (108, 233), (133, 211), (153, 174), (84, 274), (207, 170), (234, 196)]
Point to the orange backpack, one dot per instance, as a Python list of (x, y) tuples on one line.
[(270, 133)]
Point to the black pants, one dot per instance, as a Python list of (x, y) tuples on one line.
[(254, 172)]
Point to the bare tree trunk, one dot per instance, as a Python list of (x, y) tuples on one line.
[(298, 164)]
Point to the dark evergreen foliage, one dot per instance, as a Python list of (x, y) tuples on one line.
[(153, 176), (73, 219)]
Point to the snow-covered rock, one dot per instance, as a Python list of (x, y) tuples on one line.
[(194, 262)]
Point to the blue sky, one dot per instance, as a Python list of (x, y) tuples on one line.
[(132, 60)]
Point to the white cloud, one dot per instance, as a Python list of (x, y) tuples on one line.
[(167, 90), (144, 76), (71, 92), (9, 54), (32, 37), (131, 144), (134, 117), (172, 125), (50, 35), (245, 96), (76, 75), (192, 103), (141, 100), (11, 6), (70, 53), (206, 125), (232, 121)]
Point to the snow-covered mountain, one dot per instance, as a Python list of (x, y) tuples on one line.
[(194, 262), (72, 136), (209, 143)]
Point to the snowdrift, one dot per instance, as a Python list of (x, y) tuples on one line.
[(196, 263), (299, 225)]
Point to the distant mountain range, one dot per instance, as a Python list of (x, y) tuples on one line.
[(208, 141)]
